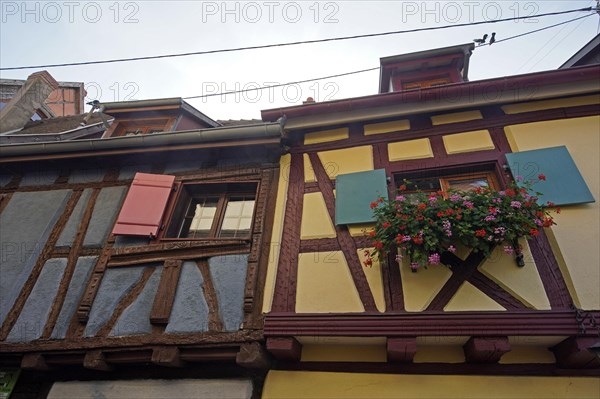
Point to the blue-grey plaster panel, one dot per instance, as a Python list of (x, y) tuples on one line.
[(131, 241), (106, 210), (77, 285), (30, 324), (68, 234), (88, 175), (228, 274), (39, 177), (135, 319), (5, 179), (25, 225), (115, 285), (190, 311), (127, 172), (181, 166)]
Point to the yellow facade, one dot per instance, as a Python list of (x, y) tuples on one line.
[(458, 143), (455, 117), (577, 232), (318, 385), (411, 149), (348, 160), (325, 136), (386, 127)]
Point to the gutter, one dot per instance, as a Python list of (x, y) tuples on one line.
[(147, 143), (510, 89)]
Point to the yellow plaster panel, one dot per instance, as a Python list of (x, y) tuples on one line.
[(440, 354), (575, 238), (374, 277), (316, 222), (455, 117), (411, 149), (387, 127), (524, 283), (550, 104), (421, 287), (325, 284), (282, 189), (478, 140), (360, 230), (309, 173), (324, 385), (343, 353), (348, 160), (527, 354), (326, 135), (468, 297)]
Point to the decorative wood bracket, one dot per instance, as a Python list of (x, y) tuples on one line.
[(401, 350), (288, 349), (573, 353), (95, 360), (253, 356), (485, 349), (34, 361), (167, 356)]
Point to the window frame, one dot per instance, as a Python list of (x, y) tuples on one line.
[(445, 176), (178, 206)]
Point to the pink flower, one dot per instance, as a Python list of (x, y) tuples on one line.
[(508, 250), (414, 266), (515, 204), (399, 258), (434, 258), (468, 204), (452, 248), (519, 178), (400, 198), (455, 198), (490, 218)]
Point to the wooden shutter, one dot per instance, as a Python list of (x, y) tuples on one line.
[(354, 194), (564, 184), (145, 204)]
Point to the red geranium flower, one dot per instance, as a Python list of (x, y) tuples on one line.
[(386, 225), (480, 233), (402, 187), (372, 233), (378, 244), (534, 232), (417, 240), (374, 204), (422, 206), (541, 176)]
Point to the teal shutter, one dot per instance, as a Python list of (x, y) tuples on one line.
[(354, 194), (564, 184)]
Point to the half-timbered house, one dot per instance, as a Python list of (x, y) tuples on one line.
[(475, 326), (132, 265)]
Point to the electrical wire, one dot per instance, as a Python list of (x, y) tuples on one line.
[(290, 43), (282, 84), (359, 71), (537, 30)]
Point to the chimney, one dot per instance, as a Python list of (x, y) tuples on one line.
[(26, 101)]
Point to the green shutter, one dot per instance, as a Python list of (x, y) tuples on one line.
[(354, 194), (564, 184)]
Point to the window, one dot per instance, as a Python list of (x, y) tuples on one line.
[(462, 182), (213, 211)]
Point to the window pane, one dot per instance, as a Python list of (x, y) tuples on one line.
[(426, 185), (202, 212), (238, 217), (468, 184)]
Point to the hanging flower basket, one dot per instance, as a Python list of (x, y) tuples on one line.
[(422, 226)]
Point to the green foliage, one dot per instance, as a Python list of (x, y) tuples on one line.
[(424, 225)]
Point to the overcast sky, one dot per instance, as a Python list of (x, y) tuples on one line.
[(39, 33)]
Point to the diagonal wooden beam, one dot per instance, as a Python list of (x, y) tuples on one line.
[(345, 240), (461, 271), (494, 291)]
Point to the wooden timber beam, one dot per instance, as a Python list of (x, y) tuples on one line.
[(485, 349)]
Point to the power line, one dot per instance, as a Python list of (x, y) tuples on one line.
[(538, 30), (282, 84), (359, 71), (291, 43)]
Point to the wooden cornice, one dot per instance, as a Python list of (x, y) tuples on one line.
[(483, 324)]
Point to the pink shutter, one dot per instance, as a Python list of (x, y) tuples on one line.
[(144, 206)]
